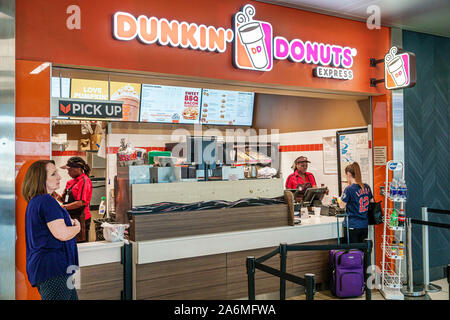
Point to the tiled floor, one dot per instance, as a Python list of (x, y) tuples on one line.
[(376, 295)]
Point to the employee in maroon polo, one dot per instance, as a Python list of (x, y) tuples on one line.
[(78, 194), (300, 175)]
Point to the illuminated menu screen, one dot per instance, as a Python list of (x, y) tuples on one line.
[(220, 107), (169, 104), (60, 87)]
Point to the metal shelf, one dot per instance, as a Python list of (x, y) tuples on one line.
[(391, 254), (392, 262), (387, 220)]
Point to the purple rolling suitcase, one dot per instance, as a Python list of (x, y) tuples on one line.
[(347, 271)]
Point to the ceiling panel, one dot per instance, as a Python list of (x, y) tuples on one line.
[(431, 17)]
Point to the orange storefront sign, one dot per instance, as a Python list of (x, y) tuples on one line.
[(206, 27), (44, 33)]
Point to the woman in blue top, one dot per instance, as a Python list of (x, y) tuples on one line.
[(355, 200), (51, 248)]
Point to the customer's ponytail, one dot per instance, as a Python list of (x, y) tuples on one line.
[(355, 171)]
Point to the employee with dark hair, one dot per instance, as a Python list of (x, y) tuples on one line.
[(355, 200), (51, 248), (78, 194)]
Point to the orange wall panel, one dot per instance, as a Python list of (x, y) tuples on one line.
[(32, 143), (42, 35), (382, 136)]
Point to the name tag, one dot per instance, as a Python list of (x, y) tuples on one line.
[(67, 198)]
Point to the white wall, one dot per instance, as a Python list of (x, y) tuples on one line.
[(287, 158)]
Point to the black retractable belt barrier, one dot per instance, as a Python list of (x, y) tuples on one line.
[(308, 282), (431, 224), (441, 211), (429, 287)]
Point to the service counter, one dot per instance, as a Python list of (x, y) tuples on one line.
[(101, 270), (209, 266)]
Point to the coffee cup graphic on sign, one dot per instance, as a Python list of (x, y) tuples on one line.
[(252, 37), (396, 67)]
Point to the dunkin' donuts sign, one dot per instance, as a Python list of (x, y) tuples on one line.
[(399, 69), (254, 47)]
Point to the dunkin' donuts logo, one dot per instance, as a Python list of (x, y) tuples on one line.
[(64, 109), (254, 46), (399, 69), (253, 41)]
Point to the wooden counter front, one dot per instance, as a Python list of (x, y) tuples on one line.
[(144, 227), (180, 224)]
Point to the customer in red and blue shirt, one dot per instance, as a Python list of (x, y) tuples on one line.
[(51, 248), (355, 200), (300, 176)]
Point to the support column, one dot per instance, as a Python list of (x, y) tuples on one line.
[(7, 150)]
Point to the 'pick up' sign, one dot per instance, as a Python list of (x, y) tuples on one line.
[(89, 109)]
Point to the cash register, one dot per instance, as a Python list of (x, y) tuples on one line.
[(307, 198)]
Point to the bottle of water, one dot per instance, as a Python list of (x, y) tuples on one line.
[(402, 190), (393, 190)]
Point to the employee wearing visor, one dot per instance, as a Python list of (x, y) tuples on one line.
[(300, 177), (77, 195)]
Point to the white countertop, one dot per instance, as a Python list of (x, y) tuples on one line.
[(99, 252), (312, 229)]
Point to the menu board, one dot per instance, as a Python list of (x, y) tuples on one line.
[(169, 104), (220, 107), (89, 89), (60, 87), (130, 95)]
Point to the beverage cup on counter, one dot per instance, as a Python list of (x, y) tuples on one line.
[(317, 211), (304, 213), (252, 37)]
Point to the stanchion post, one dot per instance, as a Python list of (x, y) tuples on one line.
[(448, 280), (428, 287), (309, 279), (410, 290), (250, 263), (283, 256), (368, 262), (426, 277)]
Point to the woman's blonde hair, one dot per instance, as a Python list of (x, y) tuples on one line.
[(35, 181), (355, 171)]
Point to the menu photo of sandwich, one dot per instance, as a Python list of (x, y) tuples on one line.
[(190, 113)]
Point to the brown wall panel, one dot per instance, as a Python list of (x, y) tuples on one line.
[(178, 224), (224, 276), (198, 282), (101, 282), (293, 114), (179, 267)]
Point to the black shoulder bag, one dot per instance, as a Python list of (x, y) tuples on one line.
[(375, 214)]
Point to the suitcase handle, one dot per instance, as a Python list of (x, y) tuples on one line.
[(342, 215)]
